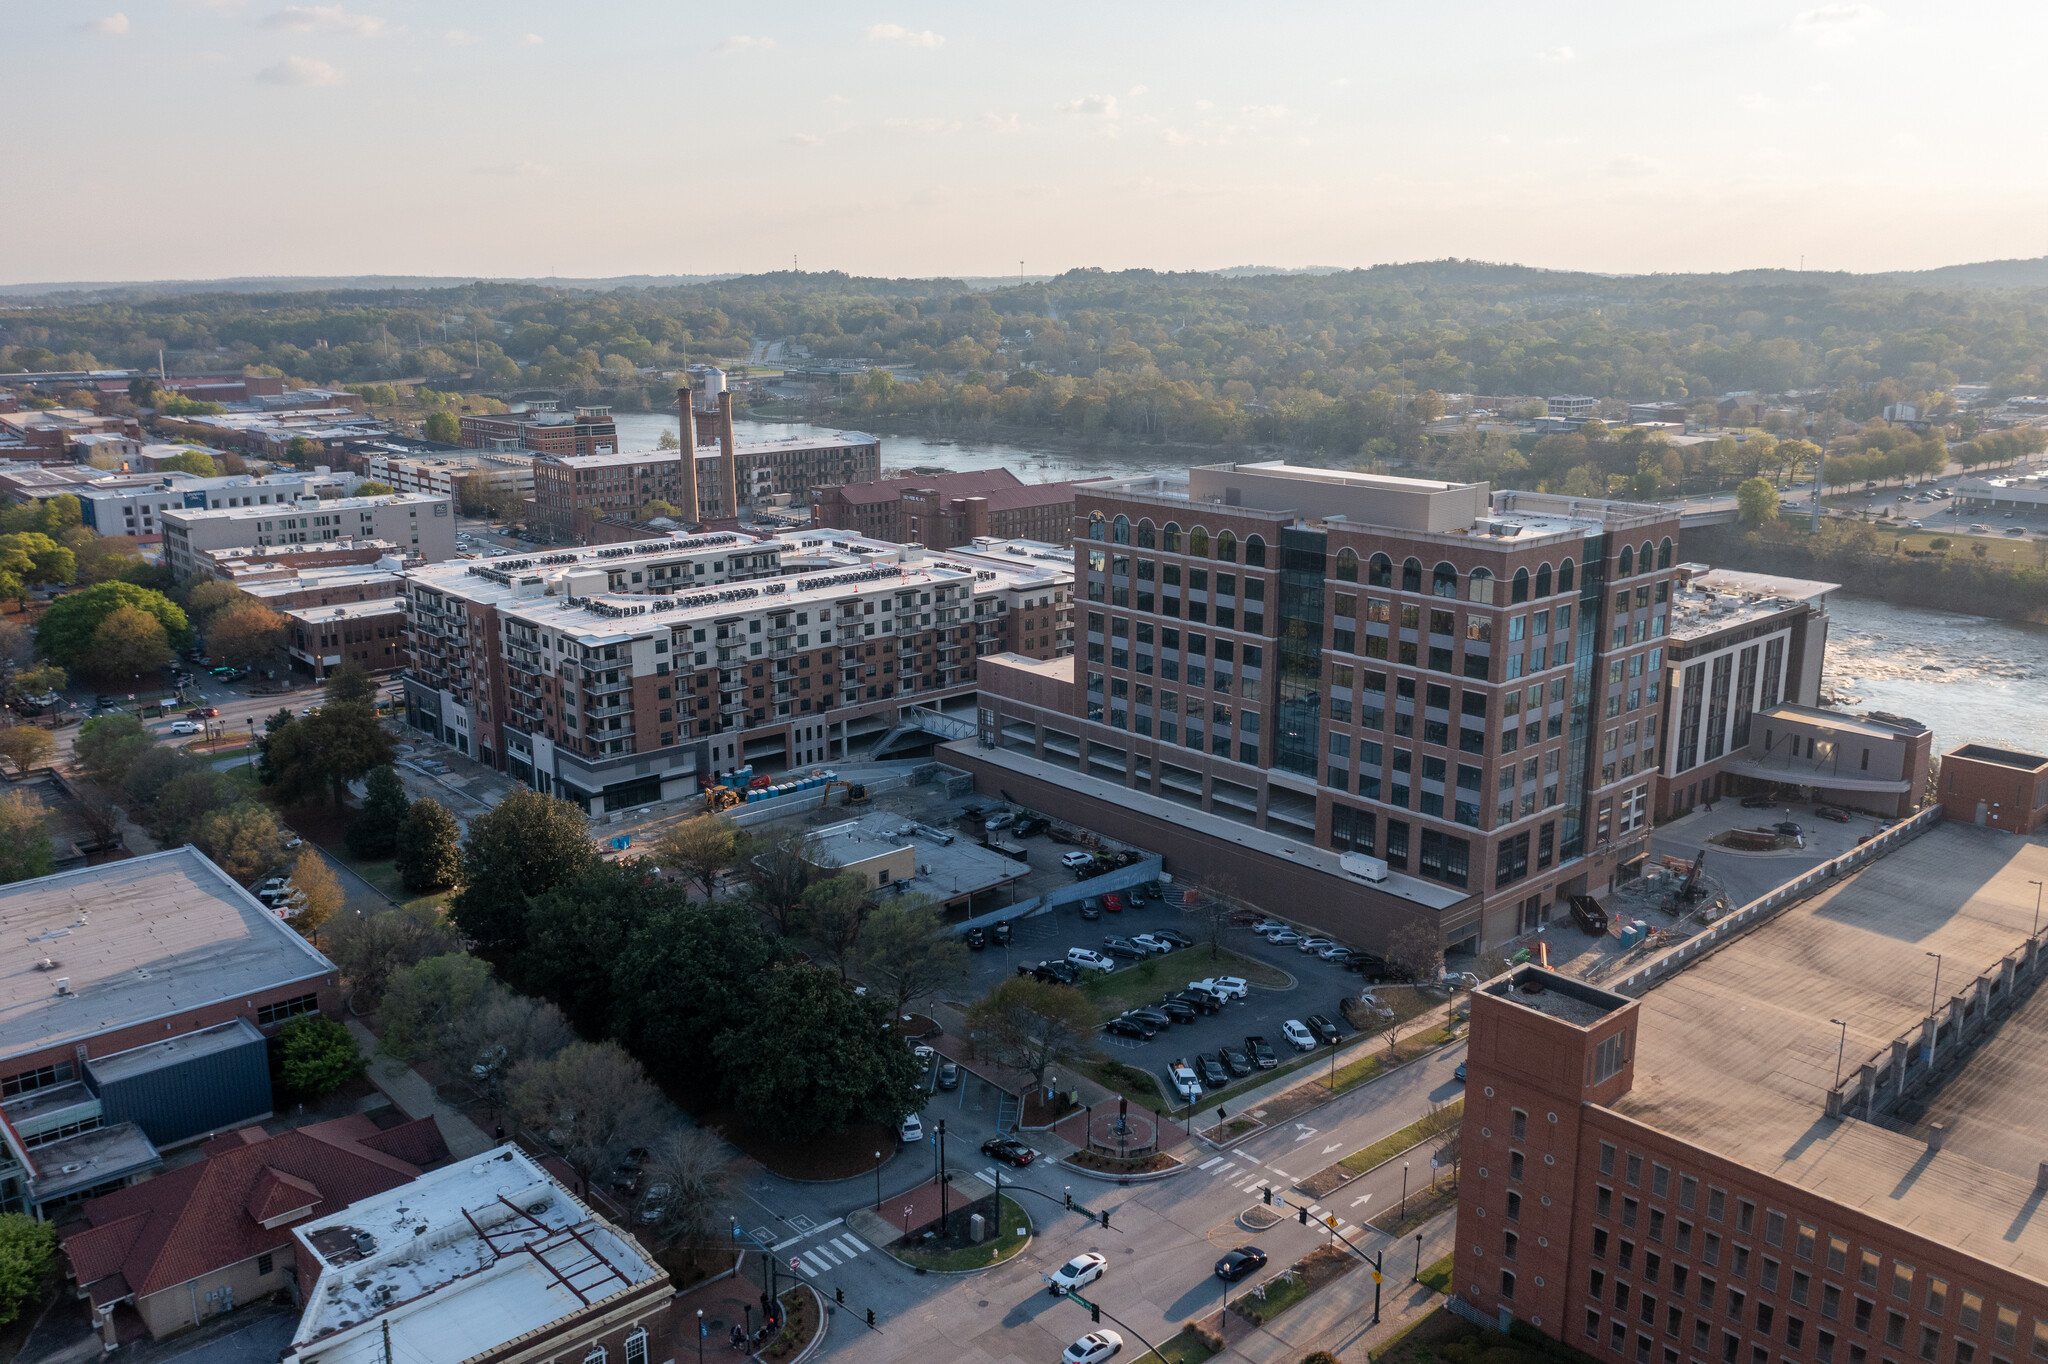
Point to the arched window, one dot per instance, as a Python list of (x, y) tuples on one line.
[(1347, 563), (1645, 556), (596, 1355), (1170, 537), (1564, 576), (1443, 581), (1094, 525), (1664, 553), (1542, 580), (1411, 576), (1627, 564), (1379, 571), (1198, 543), (1226, 546), (1255, 555), (1146, 537), (1120, 530), (636, 1347), (1520, 592), (1481, 589)]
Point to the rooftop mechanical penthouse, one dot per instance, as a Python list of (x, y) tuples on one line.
[(618, 675)]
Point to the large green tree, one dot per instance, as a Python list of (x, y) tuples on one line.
[(687, 971), (813, 1056), (66, 631), (27, 1249), (1757, 501), (427, 848), (25, 851), (525, 845), (335, 745), (906, 951), (374, 832), (318, 1056)]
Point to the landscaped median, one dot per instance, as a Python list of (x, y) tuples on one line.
[(1268, 1300), (1194, 1345), (1439, 1123), (954, 1252)]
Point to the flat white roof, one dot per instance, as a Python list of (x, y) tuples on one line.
[(347, 610), (326, 504), (458, 1262), (137, 941)]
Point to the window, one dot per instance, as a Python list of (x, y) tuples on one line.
[(2009, 1328), (1902, 1282), (264, 1264), (636, 1344), (1603, 1202), (1514, 1165), (1635, 1171), (1864, 1308), (1628, 1211), (1838, 1254), (1800, 1285), (1769, 1277), (1592, 1324), (1731, 1345), (1970, 1315), (1774, 1229), (1507, 1286), (1745, 1211), (1609, 1057), (1830, 1302), (1509, 1243), (1606, 1158), (1739, 1263), (42, 1077), (1520, 1126), (1710, 1249), (2040, 1337), (1930, 1343), (595, 1356), (1717, 1203), (1804, 1248), (1736, 1298), (1600, 1249), (1514, 1206), (1688, 1191), (282, 1009), (1937, 1296), (1660, 1181)]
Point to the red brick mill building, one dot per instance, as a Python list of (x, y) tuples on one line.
[(1817, 1138)]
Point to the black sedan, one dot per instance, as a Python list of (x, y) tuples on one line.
[(1831, 814), (1178, 939), (1323, 1028), (1009, 1152), (1240, 1262), (1130, 1027), (977, 938), (1001, 932), (1234, 1061), (1789, 829), (1201, 1001), (1758, 802), (1213, 1076), (1178, 1010)]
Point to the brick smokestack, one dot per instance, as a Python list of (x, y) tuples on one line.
[(732, 453), (688, 434), (977, 516)]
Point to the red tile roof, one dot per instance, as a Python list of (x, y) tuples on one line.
[(208, 1215)]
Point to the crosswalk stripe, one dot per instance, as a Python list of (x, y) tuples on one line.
[(1315, 1209), (1227, 1169), (812, 1257), (830, 1258), (1256, 1185), (986, 1178), (1213, 1160), (852, 1240), (839, 1243), (805, 1266)]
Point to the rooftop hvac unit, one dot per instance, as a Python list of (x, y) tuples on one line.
[(63, 985)]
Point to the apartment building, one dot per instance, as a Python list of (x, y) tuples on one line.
[(442, 473), (570, 493), (269, 435), (51, 435), (939, 511), (618, 675), (1793, 1148), (371, 634), (133, 505), (1463, 686), (308, 575), (422, 525), (585, 431)]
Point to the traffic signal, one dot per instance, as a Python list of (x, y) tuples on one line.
[(1094, 1312), (871, 1316), (1070, 1200), (1268, 1192), (1303, 1210), (839, 1296), (1105, 1218)]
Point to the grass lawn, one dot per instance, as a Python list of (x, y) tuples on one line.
[(1136, 1085), (1422, 1204), (1438, 1275), (1144, 982), (1191, 1346), (384, 876), (1441, 1338), (1392, 1144), (1000, 1246), (1368, 1067)]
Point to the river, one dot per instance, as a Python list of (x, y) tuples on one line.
[(1970, 678)]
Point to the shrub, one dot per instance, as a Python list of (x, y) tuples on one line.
[(318, 1056)]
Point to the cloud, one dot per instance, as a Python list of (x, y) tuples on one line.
[(456, 37), (1204, 104), (1754, 102), (113, 26), (516, 168), (741, 42), (1264, 111), (1173, 137), (836, 99), (804, 140), (299, 71), (1631, 166), (1340, 82), (1138, 90), (1090, 106), (324, 19), (1555, 55), (923, 125), (1834, 25), (896, 33), (533, 40), (1002, 123)]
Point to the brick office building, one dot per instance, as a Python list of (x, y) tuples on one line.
[(1465, 687), (1995, 787), (1777, 1154), (616, 676), (585, 431), (939, 511)]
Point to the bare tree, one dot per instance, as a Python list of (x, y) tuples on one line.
[(1220, 902), (701, 848), (906, 947), (778, 874), (591, 1101), (369, 947), (694, 1165), (486, 1043), (1032, 1024), (1417, 947)]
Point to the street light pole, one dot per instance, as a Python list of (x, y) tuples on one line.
[(878, 1181), (2037, 909), (1404, 1189), (700, 1336), (1418, 1257), (1840, 1044)]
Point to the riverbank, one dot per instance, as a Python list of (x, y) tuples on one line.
[(1934, 581)]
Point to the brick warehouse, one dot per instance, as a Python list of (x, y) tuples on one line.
[(1843, 1175)]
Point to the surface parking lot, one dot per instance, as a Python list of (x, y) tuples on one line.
[(1318, 986)]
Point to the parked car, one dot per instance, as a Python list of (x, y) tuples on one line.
[(1152, 942), (1374, 1005), (1089, 959), (1000, 933), (977, 938), (1091, 908), (1201, 1001), (1178, 939), (1283, 937), (1758, 802), (1184, 1082), (1366, 964), (1459, 1073), (1314, 944), (911, 1131), (1212, 1072), (1030, 826), (1113, 902), (1001, 821), (1229, 987), (1240, 1262), (1788, 829), (1131, 1027), (1076, 860), (184, 727), (1300, 1036), (1078, 1272), (949, 1075), (1124, 947), (1335, 952), (1093, 1348), (1260, 1052), (1158, 1018), (1325, 1031), (1235, 1061), (1180, 1011), (1052, 972), (1831, 814)]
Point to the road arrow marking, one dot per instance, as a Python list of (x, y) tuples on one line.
[(1305, 1130), (1361, 1200), (1334, 1146)]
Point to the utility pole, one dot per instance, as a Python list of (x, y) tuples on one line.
[(943, 1209)]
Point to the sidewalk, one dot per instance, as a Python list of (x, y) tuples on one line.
[(1339, 1317), (416, 1098)]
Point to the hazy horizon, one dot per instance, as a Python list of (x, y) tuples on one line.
[(180, 140)]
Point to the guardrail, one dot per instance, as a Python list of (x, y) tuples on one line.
[(1768, 905)]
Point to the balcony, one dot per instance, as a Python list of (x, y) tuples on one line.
[(624, 684)]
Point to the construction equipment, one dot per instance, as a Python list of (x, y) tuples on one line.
[(856, 793), (721, 798), (1691, 887)]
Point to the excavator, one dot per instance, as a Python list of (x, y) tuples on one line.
[(856, 793), (721, 798)]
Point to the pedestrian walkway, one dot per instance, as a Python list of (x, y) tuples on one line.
[(416, 1098), (1268, 1184)]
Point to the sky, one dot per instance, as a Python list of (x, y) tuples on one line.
[(193, 139)]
